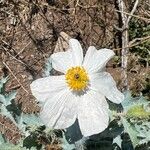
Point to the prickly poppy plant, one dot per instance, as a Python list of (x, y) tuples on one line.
[(85, 92), (80, 93)]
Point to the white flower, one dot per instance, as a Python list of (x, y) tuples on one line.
[(79, 93)]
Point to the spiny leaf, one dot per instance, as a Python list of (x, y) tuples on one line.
[(7, 114), (2, 99), (2, 140), (117, 140), (10, 96), (144, 132), (22, 126), (9, 146), (33, 148), (130, 129), (80, 145), (2, 82), (31, 119), (65, 145), (130, 102), (7, 98)]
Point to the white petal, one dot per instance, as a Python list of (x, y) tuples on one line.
[(77, 52), (61, 61), (105, 84), (96, 60), (93, 113), (60, 111), (45, 88)]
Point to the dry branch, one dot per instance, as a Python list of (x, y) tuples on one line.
[(15, 77), (125, 39)]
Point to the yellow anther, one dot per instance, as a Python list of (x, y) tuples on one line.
[(77, 78)]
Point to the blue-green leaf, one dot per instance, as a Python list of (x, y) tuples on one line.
[(143, 132), (65, 145), (2, 99), (130, 129), (130, 102), (9, 146), (117, 140), (6, 145), (10, 96), (31, 119), (2, 140), (21, 125), (7, 114), (2, 82)]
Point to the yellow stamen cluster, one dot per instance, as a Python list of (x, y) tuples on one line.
[(77, 78)]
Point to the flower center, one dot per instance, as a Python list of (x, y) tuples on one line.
[(77, 78)]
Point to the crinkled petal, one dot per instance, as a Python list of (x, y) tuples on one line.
[(60, 111), (96, 60), (93, 113), (45, 88), (61, 61), (77, 52), (105, 84)]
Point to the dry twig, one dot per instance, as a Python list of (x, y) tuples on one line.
[(136, 16), (15, 77)]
